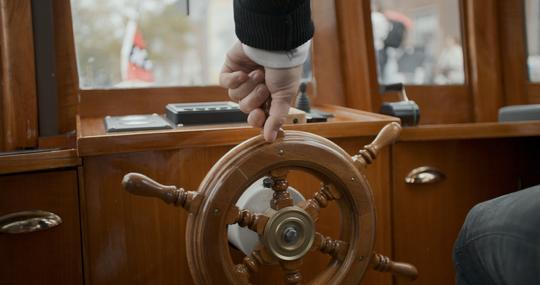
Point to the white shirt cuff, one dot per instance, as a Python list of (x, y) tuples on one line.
[(279, 59)]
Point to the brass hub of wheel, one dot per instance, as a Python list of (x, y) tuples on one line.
[(289, 234)]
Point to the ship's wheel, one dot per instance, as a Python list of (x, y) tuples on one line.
[(287, 231)]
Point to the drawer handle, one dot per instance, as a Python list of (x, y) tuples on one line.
[(424, 175), (28, 221)]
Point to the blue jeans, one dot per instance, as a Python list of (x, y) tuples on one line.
[(499, 242)]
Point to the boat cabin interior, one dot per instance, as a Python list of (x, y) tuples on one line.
[(124, 159)]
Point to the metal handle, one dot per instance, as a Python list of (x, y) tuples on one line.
[(28, 221), (424, 175)]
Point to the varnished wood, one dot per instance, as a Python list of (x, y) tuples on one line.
[(18, 101), (534, 93), (17, 163), (427, 218), (513, 40), (94, 141), (471, 131), (328, 75), (64, 141), (66, 66), (114, 219), (368, 154), (484, 58), (47, 257), (513, 51), (240, 168), (141, 185), (358, 55), (385, 264), (320, 200)]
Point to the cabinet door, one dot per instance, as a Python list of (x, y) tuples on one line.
[(51, 256), (428, 217)]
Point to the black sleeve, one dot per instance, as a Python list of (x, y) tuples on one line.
[(273, 24)]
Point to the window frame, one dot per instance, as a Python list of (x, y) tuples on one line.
[(101, 102), (518, 87), (477, 100)]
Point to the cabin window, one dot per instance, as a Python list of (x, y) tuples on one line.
[(159, 43), (418, 42), (532, 8)]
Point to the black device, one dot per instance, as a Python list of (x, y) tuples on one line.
[(407, 110), (205, 113), (303, 103), (136, 123)]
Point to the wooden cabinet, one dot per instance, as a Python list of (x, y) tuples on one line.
[(134, 240), (50, 256), (137, 240), (428, 217)]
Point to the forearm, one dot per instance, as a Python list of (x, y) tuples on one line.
[(275, 25)]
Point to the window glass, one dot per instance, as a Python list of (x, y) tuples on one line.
[(533, 38), (418, 41), (136, 43)]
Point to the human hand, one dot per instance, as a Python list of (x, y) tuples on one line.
[(250, 85)]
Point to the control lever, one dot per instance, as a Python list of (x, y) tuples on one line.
[(407, 110)]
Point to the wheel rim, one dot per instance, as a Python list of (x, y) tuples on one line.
[(207, 247)]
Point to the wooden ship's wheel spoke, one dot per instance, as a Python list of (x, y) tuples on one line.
[(320, 200), (335, 248), (293, 275), (249, 220), (252, 263), (281, 198)]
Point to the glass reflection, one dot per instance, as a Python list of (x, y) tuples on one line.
[(418, 41), (532, 8)]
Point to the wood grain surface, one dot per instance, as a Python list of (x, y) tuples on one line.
[(18, 108), (428, 217), (47, 257), (130, 240), (41, 160)]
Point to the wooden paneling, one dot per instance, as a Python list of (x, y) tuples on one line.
[(41, 160), (143, 101), (94, 141), (47, 257), (66, 66), (326, 54), (18, 112), (440, 104), (533, 90), (427, 218), (484, 59), (471, 131), (513, 41), (134, 240), (358, 55), (513, 51)]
